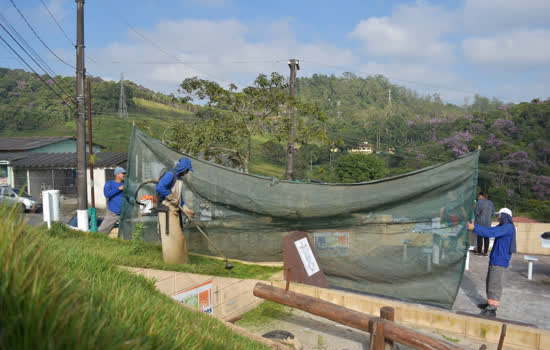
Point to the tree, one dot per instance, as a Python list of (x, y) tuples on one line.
[(256, 110), (357, 167)]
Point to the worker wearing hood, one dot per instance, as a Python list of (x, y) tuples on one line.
[(170, 194)]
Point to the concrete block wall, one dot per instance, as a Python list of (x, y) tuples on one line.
[(488, 331), (528, 238), (232, 297)]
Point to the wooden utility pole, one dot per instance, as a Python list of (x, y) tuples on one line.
[(81, 184), (90, 143), (294, 65)]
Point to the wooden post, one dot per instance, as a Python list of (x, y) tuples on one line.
[(388, 313), (351, 318), (377, 335), (502, 335)]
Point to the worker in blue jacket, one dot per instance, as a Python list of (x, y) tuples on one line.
[(501, 253), (113, 193), (171, 205)]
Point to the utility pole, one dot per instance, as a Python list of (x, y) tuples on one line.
[(81, 184), (294, 65), (389, 97)]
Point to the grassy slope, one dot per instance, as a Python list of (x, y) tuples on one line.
[(140, 254), (113, 132), (55, 296)]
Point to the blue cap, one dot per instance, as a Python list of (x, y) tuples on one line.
[(120, 170), (183, 164)]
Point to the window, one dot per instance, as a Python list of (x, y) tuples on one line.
[(3, 171)]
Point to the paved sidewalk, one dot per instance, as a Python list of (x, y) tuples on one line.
[(522, 300)]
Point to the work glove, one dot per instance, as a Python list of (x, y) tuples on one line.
[(188, 212), (173, 199)]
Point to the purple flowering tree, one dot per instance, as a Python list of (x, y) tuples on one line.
[(458, 143), (506, 126), (519, 160), (541, 187)]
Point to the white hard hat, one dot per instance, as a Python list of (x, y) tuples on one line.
[(505, 211)]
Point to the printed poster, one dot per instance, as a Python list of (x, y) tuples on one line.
[(198, 297), (331, 243), (306, 254)]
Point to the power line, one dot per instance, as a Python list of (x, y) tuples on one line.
[(56, 22), (31, 57), (62, 30), (38, 75), (39, 38)]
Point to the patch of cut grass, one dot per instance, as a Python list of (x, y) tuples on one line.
[(55, 296), (267, 312), (265, 168), (137, 253)]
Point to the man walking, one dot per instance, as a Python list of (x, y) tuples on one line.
[(113, 192), (170, 195), (484, 209), (503, 247)]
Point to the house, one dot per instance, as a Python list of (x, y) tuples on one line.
[(43, 171), (363, 147), (42, 144)]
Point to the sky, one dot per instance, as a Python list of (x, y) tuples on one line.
[(495, 48)]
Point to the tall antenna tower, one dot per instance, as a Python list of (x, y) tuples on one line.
[(122, 107)]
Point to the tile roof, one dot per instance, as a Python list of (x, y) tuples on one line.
[(28, 143), (68, 160), (9, 156)]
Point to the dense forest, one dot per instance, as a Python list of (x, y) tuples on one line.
[(407, 130)]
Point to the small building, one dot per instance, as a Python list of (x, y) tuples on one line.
[(43, 171), (363, 147), (42, 144)]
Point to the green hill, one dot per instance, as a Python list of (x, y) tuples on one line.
[(28, 108)]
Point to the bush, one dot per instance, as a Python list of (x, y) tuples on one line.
[(357, 167)]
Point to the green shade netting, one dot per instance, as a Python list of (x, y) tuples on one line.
[(403, 237)]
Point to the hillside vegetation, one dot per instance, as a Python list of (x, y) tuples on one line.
[(409, 132), (56, 296)]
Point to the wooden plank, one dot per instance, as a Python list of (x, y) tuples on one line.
[(351, 318)]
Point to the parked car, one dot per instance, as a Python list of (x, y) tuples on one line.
[(17, 197)]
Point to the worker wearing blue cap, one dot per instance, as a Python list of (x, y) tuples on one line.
[(113, 192), (170, 195)]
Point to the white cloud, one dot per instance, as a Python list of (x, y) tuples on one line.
[(413, 31), (495, 15), (523, 49), (220, 43)]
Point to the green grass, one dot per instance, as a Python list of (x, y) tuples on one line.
[(266, 313), (56, 296), (113, 132), (140, 254), (262, 167)]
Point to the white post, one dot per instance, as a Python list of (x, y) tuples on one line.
[(54, 205), (405, 251), (46, 208), (530, 271), (467, 265), (82, 217)]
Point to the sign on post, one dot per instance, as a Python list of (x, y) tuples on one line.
[(300, 261)]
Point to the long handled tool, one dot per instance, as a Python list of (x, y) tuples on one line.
[(228, 265)]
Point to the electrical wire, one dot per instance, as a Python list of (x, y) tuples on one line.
[(39, 38), (38, 75)]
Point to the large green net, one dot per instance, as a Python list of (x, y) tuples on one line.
[(403, 237)]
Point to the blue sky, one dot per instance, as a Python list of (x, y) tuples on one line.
[(455, 48)]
